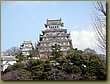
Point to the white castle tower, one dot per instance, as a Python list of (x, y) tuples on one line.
[(54, 33)]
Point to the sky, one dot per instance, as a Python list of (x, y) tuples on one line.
[(24, 20)]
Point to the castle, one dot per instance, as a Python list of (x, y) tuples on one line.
[(53, 33)]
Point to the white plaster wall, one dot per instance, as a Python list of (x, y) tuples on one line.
[(5, 64)]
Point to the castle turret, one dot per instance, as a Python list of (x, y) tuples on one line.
[(26, 47)]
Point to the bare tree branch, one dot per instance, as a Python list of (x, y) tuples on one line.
[(12, 51), (99, 24)]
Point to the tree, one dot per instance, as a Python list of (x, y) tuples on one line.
[(16, 66), (16, 72), (85, 66), (39, 69), (56, 52), (88, 50), (95, 68), (34, 53), (16, 75), (12, 51), (75, 66), (21, 57), (99, 24)]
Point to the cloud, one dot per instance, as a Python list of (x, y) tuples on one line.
[(84, 39)]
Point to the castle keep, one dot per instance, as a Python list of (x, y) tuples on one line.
[(53, 33)]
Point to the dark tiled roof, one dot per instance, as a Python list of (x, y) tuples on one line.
[(8, 58)]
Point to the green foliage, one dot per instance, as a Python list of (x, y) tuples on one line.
[(61, 60), (20, 57), (16, 66), (75, 66), (39, 69), (16, 72), (56, 51), (76, 69)]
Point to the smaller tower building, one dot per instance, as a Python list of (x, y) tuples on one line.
[(26, 47)]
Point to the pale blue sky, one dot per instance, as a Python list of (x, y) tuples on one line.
[(24, 20)]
